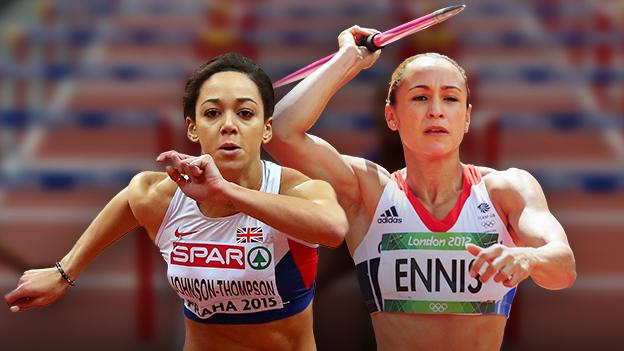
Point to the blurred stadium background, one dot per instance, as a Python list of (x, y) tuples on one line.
[(91, 91)]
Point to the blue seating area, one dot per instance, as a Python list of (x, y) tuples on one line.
[(587, 181), (562, 121), (55, 72), (60, 180), (84, 35), (542, 74), (572, 38), (85, 119)]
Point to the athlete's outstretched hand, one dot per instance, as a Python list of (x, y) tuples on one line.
[(36, 288), (509, 265), (197, 176)]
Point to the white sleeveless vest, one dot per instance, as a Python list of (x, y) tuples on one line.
[(409, 261), (235, 269)]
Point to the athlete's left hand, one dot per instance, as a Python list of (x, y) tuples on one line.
[(197, 176), (509, 265)]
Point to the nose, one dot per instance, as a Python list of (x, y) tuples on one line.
[(435, 110), (229, 124)]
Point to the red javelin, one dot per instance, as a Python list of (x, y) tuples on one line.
[(379, 40)]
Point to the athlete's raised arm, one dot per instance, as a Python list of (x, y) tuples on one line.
[(543, 252), (305, 209), (297, 112), (41, 287)]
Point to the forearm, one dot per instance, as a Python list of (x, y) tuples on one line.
[(553, 266), (312, 221), (301, 107), (114, 221)]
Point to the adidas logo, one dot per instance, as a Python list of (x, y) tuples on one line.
[(390, 216)]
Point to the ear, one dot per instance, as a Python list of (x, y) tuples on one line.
[(467, 122), (191, 130), (391, 118), (267, 133)]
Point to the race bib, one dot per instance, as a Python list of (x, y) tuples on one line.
[(224, 278), (429, 273)]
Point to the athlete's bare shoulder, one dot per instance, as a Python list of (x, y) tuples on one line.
[(291, 178), (510, 179), (512, 187), (295, 183), (372, 179), (149, 195), (367, 167), (486, 170), (371, 175), (151, 184)]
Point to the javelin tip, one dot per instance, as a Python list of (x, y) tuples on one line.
[(453, 8), (448, 12)]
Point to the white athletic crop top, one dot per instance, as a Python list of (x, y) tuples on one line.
[(409, 261), (235, 269)]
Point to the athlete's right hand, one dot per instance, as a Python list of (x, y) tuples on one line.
[(36, 288), (197, 176), (348, 39)]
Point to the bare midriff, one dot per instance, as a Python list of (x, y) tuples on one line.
[(292, 333), (408, 331)]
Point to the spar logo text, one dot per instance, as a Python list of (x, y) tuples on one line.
[(208, 255)]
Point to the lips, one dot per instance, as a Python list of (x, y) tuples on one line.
[(229, 147), (229, 150), (435, 130)]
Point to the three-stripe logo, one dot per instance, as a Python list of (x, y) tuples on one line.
[(390, 216)]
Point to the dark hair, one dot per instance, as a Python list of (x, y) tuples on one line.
[(397, 75), (233, 62)]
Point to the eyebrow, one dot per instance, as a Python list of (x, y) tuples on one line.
[(240, 99), (445, 87)]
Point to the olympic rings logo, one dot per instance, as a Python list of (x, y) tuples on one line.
[(488, 224), (438, 307)]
